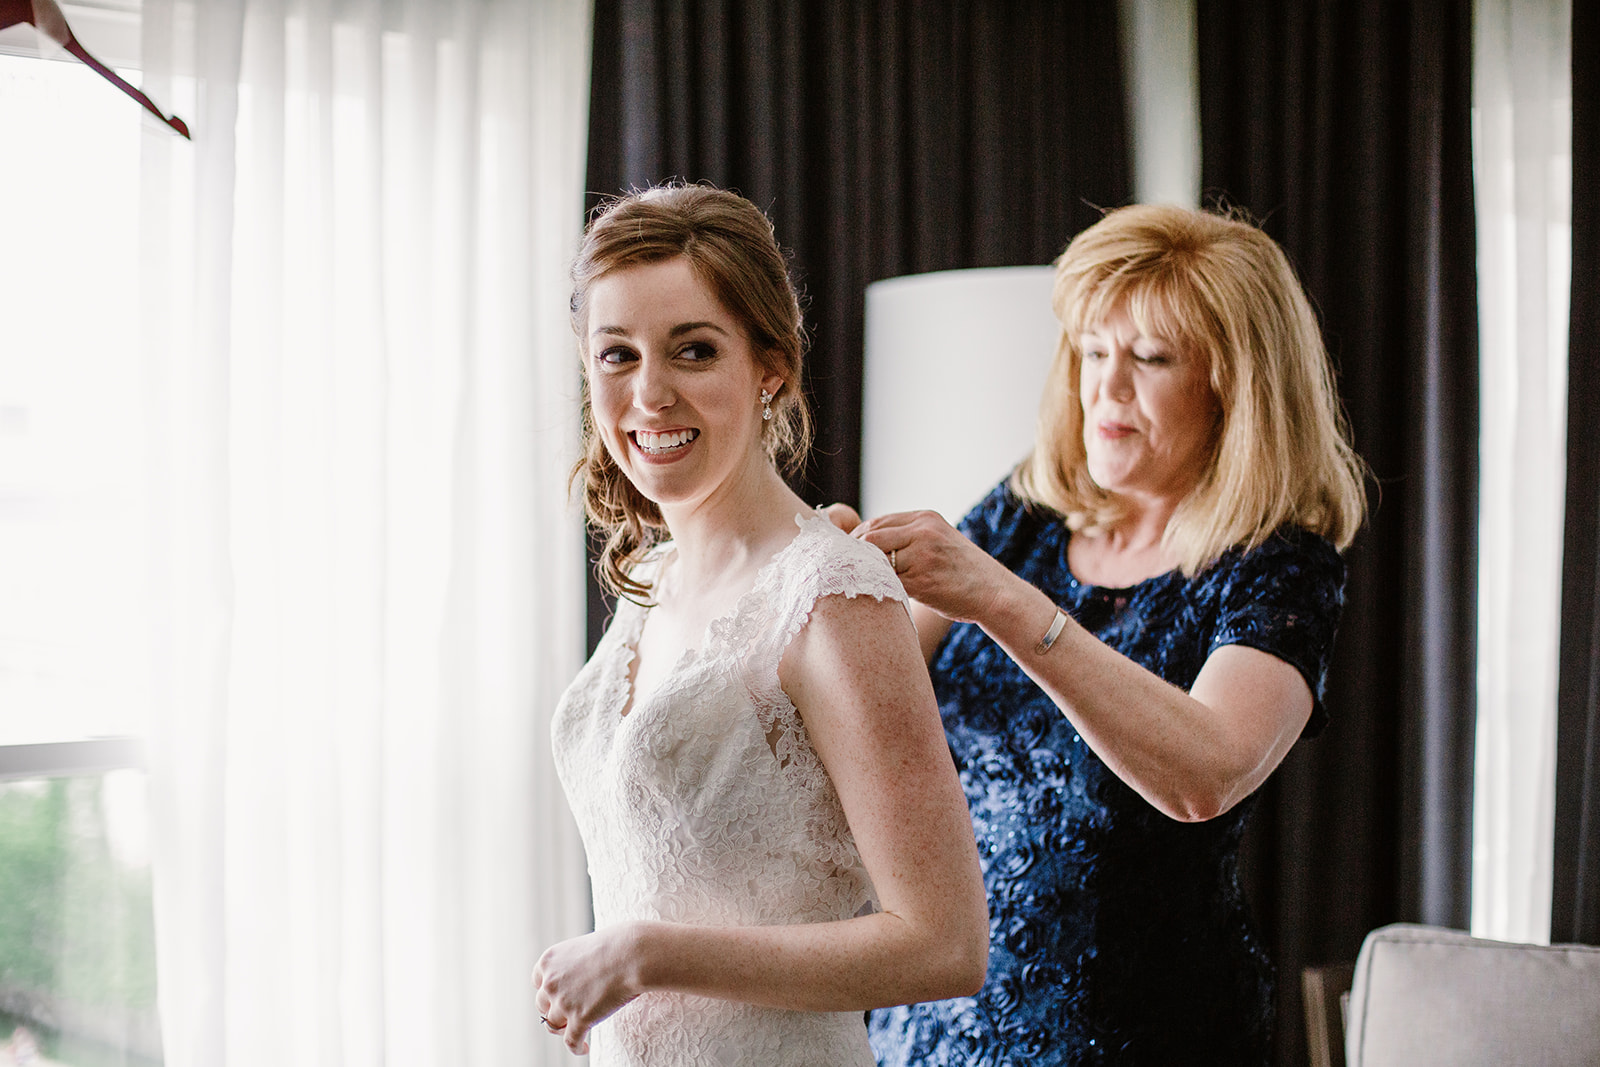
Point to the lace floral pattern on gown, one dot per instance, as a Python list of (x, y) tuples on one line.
[(1116, 934), (705, 804)]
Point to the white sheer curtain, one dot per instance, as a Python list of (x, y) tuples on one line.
[(1522, 147), (364, 398)]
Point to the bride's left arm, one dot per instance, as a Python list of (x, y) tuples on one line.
[(856, 675)]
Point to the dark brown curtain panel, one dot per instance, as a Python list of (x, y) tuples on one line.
[(883, 138), (1576, 903), (1344, 127)]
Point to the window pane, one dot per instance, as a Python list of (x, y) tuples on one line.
[(71, 430), (77, 939)]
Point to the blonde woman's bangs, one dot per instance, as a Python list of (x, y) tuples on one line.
[(1162, 304)]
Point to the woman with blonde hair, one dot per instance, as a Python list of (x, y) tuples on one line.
[(1126, 637), (776, 836)]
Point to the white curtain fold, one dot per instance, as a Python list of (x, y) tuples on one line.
[(364, 400), (1522, 149)]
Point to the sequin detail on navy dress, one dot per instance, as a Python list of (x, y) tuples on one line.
[(1116, 934)]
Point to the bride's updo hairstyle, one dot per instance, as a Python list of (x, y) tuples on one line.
[(731, 246)]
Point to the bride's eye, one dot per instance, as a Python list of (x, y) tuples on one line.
[(615, 355)]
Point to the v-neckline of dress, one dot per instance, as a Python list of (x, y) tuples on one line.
[(629, 703)]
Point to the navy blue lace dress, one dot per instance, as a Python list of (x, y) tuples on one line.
[(1116, 934)]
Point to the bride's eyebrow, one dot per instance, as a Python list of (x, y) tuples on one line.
[(690, 327), (677, 331)]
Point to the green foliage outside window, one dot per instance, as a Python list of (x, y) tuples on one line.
[(77, 951)]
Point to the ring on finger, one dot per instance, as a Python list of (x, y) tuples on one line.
[(894, 564)]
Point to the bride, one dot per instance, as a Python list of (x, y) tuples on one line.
[(776, 836)]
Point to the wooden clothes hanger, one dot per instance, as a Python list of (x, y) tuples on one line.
[(46, 17)]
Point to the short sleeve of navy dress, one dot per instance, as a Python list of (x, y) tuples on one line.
[(1117, 935)]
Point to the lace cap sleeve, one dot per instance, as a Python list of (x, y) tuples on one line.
[(839, 563), (825, 561)]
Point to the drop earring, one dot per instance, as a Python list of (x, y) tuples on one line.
[(766, 406)]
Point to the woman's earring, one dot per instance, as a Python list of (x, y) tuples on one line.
[(766, 406)]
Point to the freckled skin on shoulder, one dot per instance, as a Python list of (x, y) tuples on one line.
[(856, 674)]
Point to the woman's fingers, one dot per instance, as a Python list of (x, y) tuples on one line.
[(936, 563), (885, 533), (552, 1015), (541, 999), (580, 982), (908, 534), (570, 1031), (901, 529), (557, 1023), (842, 515), (574, 1034)]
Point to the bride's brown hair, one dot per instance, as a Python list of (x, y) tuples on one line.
[(731, 246)]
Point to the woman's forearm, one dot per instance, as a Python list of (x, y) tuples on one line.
[(1191, 757), (852, 965)]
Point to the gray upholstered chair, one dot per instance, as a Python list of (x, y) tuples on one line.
[(1423, 995)]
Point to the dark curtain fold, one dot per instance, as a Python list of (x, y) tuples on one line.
[(883, 137), (1344, 127), (1575, 914)]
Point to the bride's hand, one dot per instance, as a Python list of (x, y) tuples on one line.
[(583, 980)]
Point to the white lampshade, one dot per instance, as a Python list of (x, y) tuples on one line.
[(955, 367)]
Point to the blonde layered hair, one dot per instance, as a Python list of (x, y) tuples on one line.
[(732, 249), (1220, 289)]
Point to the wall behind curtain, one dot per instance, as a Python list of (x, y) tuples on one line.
[(1344, 125), (1575, 913), (882, 138)]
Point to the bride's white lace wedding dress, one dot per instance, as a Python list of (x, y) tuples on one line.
[(704, 803)]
